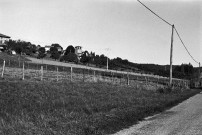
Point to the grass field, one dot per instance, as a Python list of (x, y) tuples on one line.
[(62, 108), (7, 57)]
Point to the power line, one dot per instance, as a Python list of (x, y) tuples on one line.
[(155, 13), (185, 46), (172, 26)]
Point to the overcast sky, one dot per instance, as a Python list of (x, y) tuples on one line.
[(127, 28)]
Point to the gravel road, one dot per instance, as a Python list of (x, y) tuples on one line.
[(183, 119)]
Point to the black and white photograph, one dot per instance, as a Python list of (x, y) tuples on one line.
[(100, 67)]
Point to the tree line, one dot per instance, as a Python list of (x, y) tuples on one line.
[(68, 54)]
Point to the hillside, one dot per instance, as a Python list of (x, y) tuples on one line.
[(183, 71), (7, 57), (63, 108)]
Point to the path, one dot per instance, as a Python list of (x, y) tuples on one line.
[(183, 119)]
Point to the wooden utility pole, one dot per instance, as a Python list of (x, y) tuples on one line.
[(199, 70), (107, 63), (171, 57)]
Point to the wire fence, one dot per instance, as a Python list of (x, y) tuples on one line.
[(26, 70)]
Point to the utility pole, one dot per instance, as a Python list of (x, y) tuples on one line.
[(171, 57), (199, 70), (107, 63), (107, 49)]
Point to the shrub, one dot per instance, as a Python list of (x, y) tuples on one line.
[(41, 55), (55, 55), (70, 57)]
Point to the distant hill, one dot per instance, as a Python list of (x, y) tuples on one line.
[(183, 71)]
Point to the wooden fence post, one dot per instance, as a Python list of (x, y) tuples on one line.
[(120, 79), (2, 74), (157, 82), (71, 74), (94, 76), (41, 73), (111, 76), (146, 80), (23, 71), (57, 74), (128, 79)]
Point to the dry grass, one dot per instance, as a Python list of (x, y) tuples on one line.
[(63, 108), (33, 74)]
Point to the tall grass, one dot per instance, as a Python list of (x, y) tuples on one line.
[(63, 108)]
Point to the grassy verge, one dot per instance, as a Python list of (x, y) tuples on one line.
[(77, 108)]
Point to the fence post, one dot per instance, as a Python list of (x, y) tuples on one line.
[(9, 63), (146, 80), (111, 76), (23, 71), (71, 74), (2, 74), (94, 76), (120, 79), (128, 81), (57, 73), (157, 82), (136, 83), (41, 73)]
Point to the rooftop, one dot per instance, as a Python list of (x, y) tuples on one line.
[(4, 36)]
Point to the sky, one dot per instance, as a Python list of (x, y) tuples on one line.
[(116, 28)]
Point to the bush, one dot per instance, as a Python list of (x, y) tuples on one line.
[(41, 55), (55, 55), (70, 57)]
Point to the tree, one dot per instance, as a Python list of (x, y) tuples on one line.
[(33, 48), (53, 49), (69, 49), (56, 45), (70, 57), (103, 60), (55, 54), (85, 57), (41, 52), (97, 60), (20, 46)]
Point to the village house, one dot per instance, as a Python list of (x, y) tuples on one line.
[(3, 39), (47, 48), (78, 51)]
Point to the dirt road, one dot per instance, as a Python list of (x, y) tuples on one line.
[(183, 119)]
